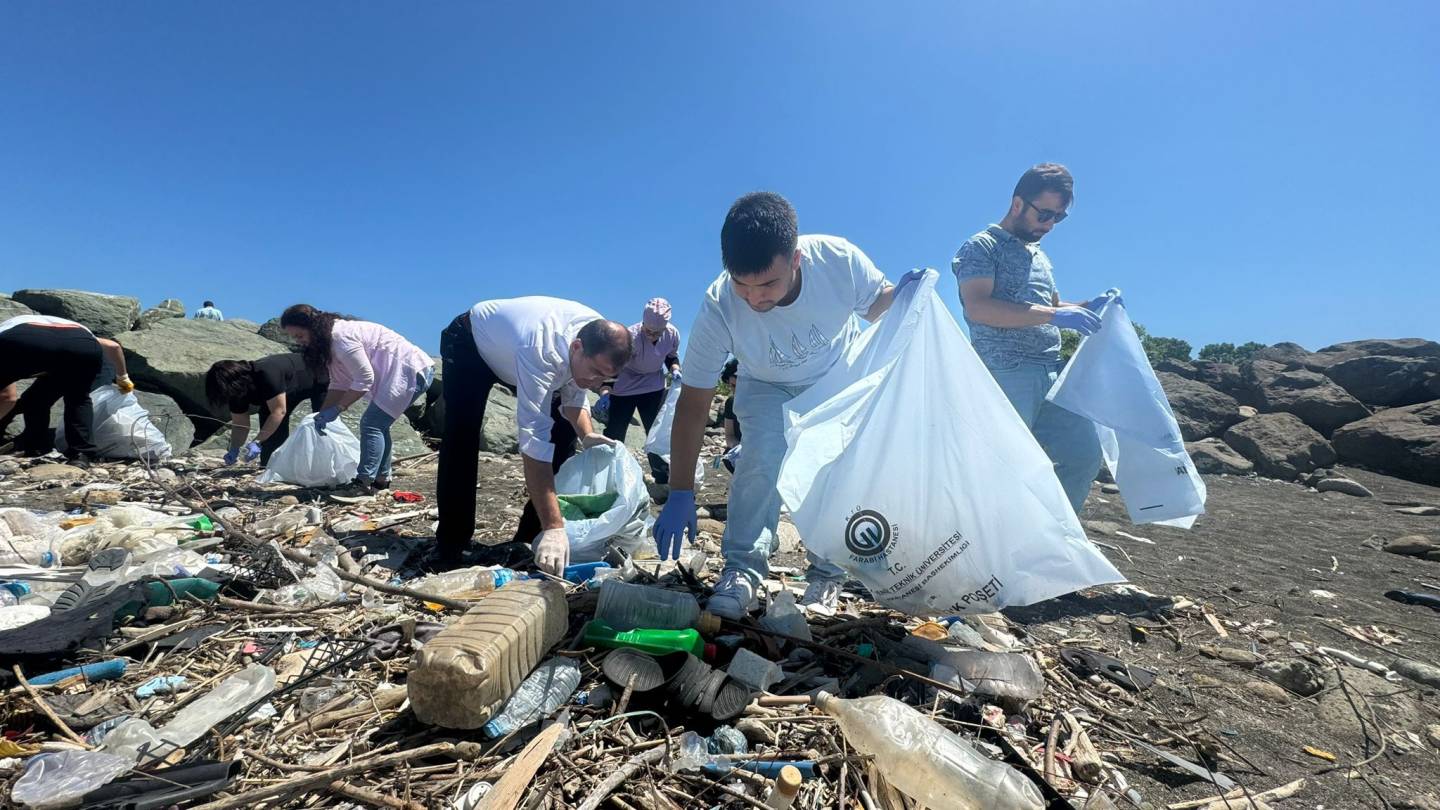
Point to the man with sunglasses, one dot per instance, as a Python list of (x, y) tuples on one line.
[(1015, 315)]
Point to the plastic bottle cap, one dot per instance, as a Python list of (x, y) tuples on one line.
[(789, 780), (710, 651), (707, 623)]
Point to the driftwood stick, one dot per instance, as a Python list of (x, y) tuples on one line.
[(602, 791), (311, 781), (49, 712)]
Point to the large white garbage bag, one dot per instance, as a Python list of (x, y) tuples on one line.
[(657, 441), (1109, 381), (625, 524), (314, 459), (120, 427), (909, 468)]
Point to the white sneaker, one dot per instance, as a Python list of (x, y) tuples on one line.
[(822, 596), (734, 596)]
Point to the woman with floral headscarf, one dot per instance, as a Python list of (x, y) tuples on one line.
[(641, 383)]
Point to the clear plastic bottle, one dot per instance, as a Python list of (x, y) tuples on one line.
[(548, 687), (31, 552), (463, 675), (928, 763), (624, 606), (465, 582)]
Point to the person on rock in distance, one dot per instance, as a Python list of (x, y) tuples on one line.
[(785, 306), (270, 384), (208, 312), (549, 351), (361, 358), (64, 358), (640, 385), (1015, 316)]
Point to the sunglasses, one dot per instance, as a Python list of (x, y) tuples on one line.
[(1045, 214)]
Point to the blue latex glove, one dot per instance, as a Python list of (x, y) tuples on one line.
[(675, 377), (602, 404), (1079, 319), (913, 275), (325, 417), (252, 451), (231, 457), (1098, 303), (675, 518)]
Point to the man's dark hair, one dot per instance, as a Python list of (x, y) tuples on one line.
[(229, 382), (608, 339), (208, 304), (731, 369), (1043, 177), (759, 227)]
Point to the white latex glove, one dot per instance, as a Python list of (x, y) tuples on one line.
[(590, 440), (552, 551)]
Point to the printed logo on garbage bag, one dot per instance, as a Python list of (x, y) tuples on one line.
[(868, 535)]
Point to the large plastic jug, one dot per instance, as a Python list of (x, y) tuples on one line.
[(464, 675)]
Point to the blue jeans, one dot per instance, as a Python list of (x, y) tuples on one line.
[(375, 441), (754, 507), (1068, 439)]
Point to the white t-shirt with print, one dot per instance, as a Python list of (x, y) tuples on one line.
[(794, 344)]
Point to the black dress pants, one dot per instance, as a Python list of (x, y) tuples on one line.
[(622, 407), (64, 361), (466, 383)]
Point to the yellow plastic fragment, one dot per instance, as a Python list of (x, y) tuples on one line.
[(1319, 754)]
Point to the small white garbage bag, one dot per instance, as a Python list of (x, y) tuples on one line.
[(657, 441), (909, 468), (1109, 381), (314, 459), (120, 427), (625, 524)]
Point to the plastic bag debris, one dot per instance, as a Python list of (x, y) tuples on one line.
[(600, 471), (310, 458)]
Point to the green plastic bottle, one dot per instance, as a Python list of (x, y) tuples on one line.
[(654, 642)]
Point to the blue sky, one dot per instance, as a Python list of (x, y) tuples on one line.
[(1245, 171)]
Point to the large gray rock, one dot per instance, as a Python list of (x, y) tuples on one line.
[(169, 308), (10, 308), (1182, 368), (1312, 396), (272, 330), (1223, 377), (1216, 457), (1290, 355), (105, 315), (173, 355), (164, 413), (1403, 441), (1386, 380), (1280, 445), (1382, 347), (1201, 410)]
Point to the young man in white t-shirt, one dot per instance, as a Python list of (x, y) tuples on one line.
[(785, 307)]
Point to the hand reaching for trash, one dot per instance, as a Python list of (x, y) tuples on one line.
[(675, 518), (552, 551), (252, 451), (325, 416)]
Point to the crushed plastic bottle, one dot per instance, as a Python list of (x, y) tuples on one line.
[(464, 583), (61, 779), (692, 753), (925, 761), (463, 675), (545, 690), (624, 606), (134, 738)]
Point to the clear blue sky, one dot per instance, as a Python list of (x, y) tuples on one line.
[(1245, 171)]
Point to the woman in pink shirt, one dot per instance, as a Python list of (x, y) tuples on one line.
[(362, 359), (640, 385)]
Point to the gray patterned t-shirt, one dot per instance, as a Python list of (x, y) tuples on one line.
[(1021, 271)]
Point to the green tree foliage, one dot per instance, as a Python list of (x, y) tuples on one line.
[(1156, 348), (1229, 352)]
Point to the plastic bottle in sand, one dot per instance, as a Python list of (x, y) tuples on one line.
[(462, 677), (548, 687), (925, 761), (624, 606)]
